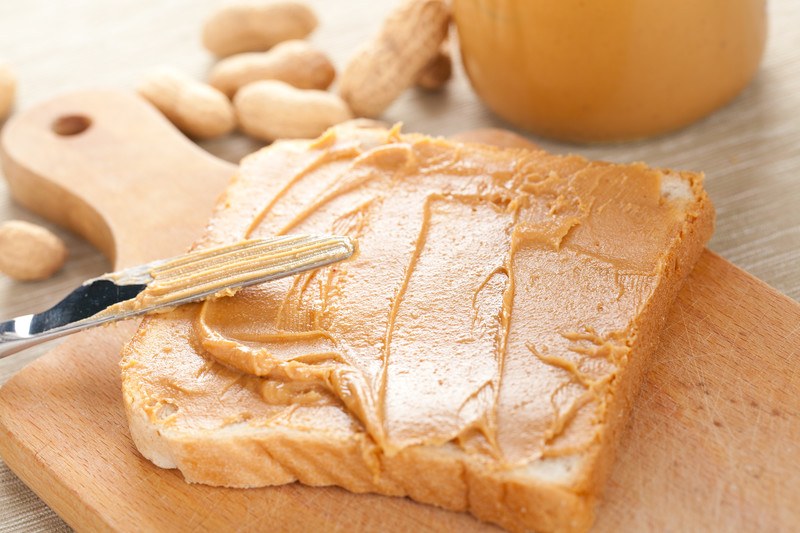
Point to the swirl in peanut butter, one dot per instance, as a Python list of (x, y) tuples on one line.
[(489, 304)]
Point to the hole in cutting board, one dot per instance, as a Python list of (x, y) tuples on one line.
[(71, 125)]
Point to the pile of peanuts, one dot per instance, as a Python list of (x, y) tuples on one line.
[(273, 84)]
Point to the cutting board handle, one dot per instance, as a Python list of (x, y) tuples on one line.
[(108, 166)]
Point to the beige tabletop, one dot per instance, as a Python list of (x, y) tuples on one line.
[(750, 150)]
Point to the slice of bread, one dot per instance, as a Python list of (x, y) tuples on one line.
[(480, 352)]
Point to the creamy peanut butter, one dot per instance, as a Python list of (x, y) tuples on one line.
[(491, 302), (221, 271), (611, 70)]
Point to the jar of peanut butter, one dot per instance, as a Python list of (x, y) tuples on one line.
[(607, 70)]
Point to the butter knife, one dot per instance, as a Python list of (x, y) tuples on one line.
[(164, 284)]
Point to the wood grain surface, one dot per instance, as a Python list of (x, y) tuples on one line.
[(749, 150), (718, 422), (713, 442)]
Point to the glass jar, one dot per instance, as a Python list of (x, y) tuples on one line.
[(606, 70)]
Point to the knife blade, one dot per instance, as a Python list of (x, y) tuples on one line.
[(167, 283)]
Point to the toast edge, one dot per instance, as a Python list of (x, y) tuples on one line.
[(275, 457)]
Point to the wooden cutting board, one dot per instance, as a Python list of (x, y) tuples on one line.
[(712, 444)]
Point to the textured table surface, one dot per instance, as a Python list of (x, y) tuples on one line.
[(750, 150)]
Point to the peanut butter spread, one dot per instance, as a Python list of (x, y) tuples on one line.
[(490, 304), (220, 271), (611, 70)]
